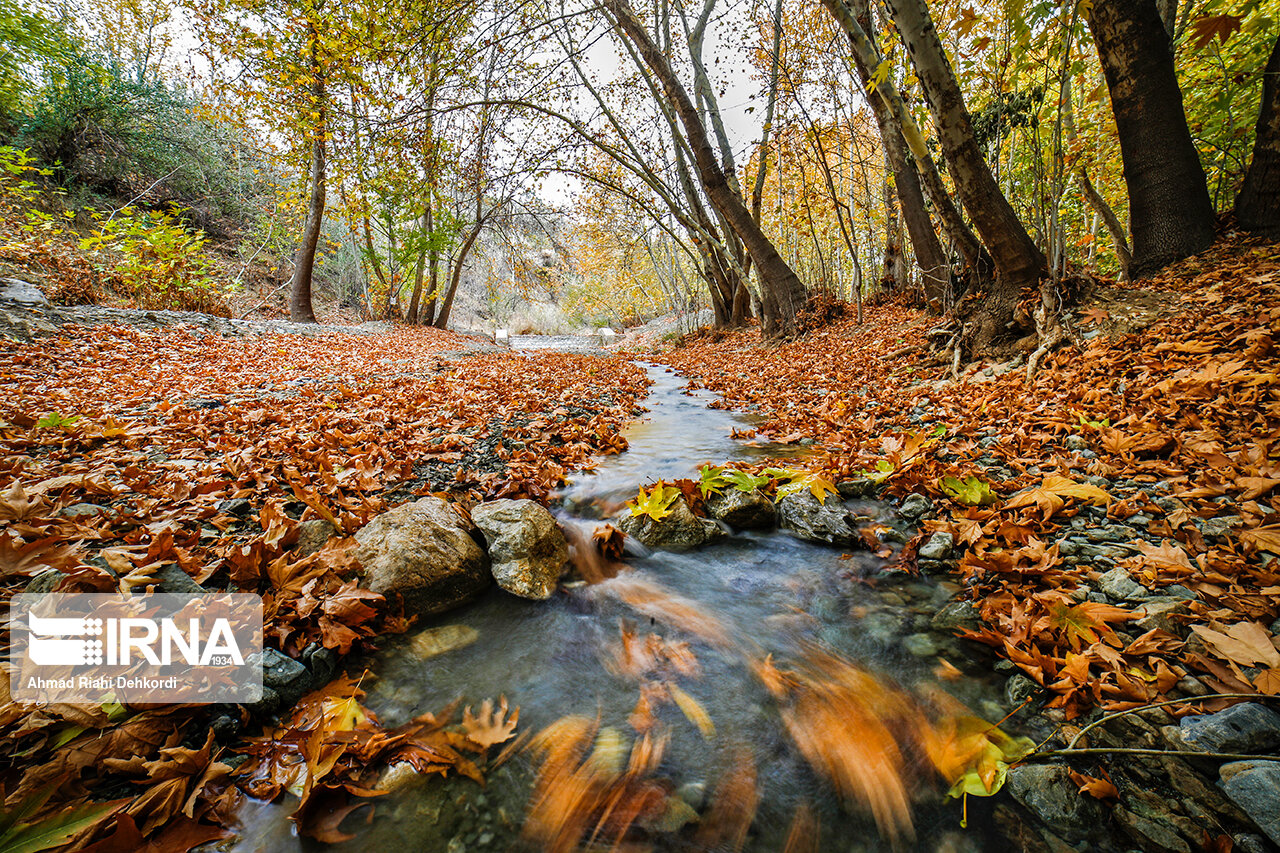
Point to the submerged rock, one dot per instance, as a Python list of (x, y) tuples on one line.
[(679, 531), (421, 551), (433, 642), (804, 517), (743, 510), (527, 550), (955, 616)]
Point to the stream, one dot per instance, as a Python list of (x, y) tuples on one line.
[(772, 593)]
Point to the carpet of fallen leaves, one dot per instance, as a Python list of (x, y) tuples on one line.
[(1185, 411), (126, 453)]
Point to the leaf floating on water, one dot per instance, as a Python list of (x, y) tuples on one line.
[(692, 710), (804, 835)]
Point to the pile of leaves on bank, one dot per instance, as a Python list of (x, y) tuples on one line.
[(1170, 432), (131, 460)]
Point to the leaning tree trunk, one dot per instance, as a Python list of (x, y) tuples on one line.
[(1258, 205), (300, 310), (1019, 263), (446, 306), (1170, 214), (934, 269), (784, 294)]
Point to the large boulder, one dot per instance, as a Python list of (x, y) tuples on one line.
[(422, 552), (679, 531), (803, 516), (743, 510), (527, 550)]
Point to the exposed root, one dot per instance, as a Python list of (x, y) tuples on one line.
[(1053, 327)]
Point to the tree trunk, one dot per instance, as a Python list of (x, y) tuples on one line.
[(934, 269), (784, 292), (1109, 218), (419, 272), (446, 307), (911, 160), (1170, 214), (1019, 263), (895, 262), (1258, 205), (300, 310)]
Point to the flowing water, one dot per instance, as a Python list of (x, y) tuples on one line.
[(762, 593)]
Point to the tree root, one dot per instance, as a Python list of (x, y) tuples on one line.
[(1053, 327)]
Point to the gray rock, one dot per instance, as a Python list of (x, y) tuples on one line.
[(43, 583), (1018, 689), (1076, 442), (81, 511), (1119, 585), (420, 551), (915, 506), (21, 293), (1247, 727), (743, 510), (938, 547), (920, 645), (1157, 613), (235, 506), (287, 678), (802, 516), (1048, 792), (859, 487), (313, 535), (881, 627), (1150, 835), (679, 531), (1217, 528), (955, 616), (527, 550), (1254, 786), (171, 578)]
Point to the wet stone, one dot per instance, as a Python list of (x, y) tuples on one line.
[(679, 531), (1149, 835), (1048, 792), (938, 547), (1254, 786), (805, 518), (1019, 688), (527, 549), (920, 645), (915, 506), (1247, 727), (742, 510), (955, 616)]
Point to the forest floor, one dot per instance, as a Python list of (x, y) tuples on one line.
[(1115, 519)]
